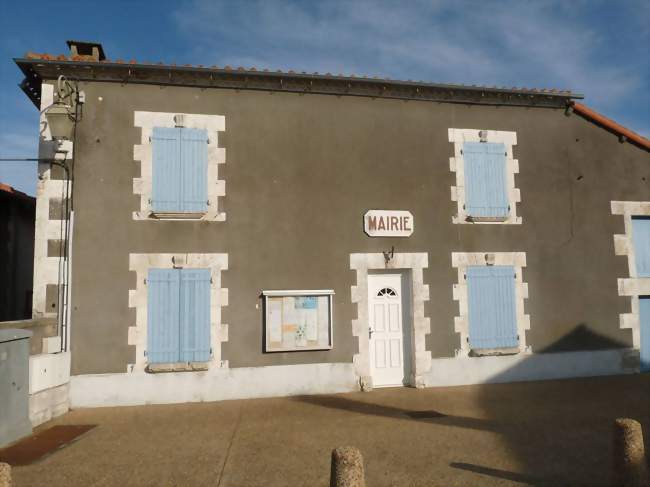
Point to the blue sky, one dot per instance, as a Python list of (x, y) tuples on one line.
[(600, 48)]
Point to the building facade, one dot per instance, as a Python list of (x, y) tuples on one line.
[(241, 233)]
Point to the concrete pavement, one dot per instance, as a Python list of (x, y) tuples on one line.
[(540, 433)]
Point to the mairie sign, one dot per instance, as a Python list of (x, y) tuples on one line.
[(388, 223)]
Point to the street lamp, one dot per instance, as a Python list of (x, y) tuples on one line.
[(60, 121), (61, 116)]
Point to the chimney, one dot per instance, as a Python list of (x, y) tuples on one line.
[(87, 51)]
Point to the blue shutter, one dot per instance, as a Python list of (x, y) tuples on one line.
[(641, 238), (195, 315), (486, 193), (644, 315), (166, 170), (194, 170), (492, 307), (163, 325)]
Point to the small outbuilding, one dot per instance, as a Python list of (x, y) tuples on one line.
[(17, 218)]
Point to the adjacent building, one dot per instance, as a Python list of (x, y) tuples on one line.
[(240, 233), (17, 211)]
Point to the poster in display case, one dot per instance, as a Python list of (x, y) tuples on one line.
[(297, 320)]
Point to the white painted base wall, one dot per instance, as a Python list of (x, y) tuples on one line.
[(49, 403), (137, 388), (48, 370), (527, 367), (49, 375)]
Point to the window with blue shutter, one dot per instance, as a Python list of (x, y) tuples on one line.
[(194, 170), (641, 239), (195, 315), (492, 309), (180, 170), (163, 316), (486, 193), (644, 319), (166, 171), (178, 315)]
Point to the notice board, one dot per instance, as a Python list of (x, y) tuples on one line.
[(297, 320)]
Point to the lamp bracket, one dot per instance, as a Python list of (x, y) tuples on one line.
[(388, 254)]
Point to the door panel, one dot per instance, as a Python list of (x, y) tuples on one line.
[(395, 352), (380, 354), (387, 335), (394, 317), (379, 317)]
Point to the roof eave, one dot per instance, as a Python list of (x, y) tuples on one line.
[(211, 77), (31, 84)]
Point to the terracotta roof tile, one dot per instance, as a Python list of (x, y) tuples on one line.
[(623, 133), (5, 188)]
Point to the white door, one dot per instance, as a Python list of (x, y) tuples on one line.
[(386, 330)]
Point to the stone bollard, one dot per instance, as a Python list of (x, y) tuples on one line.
[(630, 467), (5, 475), (347, 468)]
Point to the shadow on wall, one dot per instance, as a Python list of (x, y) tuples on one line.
[(582, 338), (557, 432)]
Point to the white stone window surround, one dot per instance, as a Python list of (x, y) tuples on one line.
[(632, 286), (421, 325), (457, 164), (141, 263), (142, 152), (461, 261)]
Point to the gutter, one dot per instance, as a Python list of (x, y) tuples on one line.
[(624, 134)]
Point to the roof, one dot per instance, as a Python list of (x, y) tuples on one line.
[(39, 66), (623, 133), (9, 191), (87, 62)]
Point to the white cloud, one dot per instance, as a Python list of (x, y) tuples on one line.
[(510, 43)]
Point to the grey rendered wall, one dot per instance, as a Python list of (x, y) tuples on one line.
[(300, 172)]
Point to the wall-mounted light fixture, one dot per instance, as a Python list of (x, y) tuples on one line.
[(62, 115), (60, 122)]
